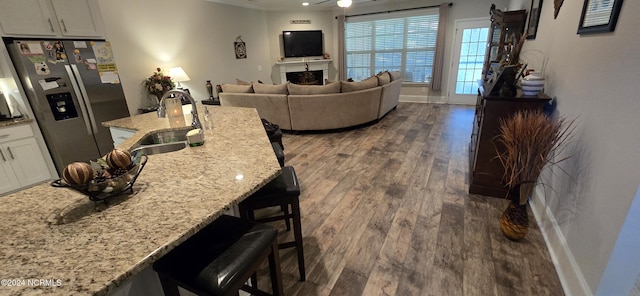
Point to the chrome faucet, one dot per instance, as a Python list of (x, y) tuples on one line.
[(162, 110)]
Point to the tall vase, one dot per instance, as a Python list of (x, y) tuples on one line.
[(209, 87), (514, 222)]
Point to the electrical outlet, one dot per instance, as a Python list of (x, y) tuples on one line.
[(259, 68)]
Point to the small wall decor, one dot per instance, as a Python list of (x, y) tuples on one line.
[(556, 7), (534, 18), (240, 48), (599, 16)]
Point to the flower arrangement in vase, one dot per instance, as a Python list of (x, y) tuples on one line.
[(158, 83), (527, 143)]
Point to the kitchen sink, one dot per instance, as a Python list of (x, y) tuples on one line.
[(160, 148), (164, 137)]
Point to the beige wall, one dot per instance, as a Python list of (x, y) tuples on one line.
[(196, 35), (593, 78)]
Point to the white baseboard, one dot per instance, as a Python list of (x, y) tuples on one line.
[(573, 282)]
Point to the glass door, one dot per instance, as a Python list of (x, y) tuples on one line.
[(467, 60)]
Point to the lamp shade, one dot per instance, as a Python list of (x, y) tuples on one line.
[(178, 74), (344, 3)]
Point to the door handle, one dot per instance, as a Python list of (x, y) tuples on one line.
[(2, 154), (85, 98), (64, 27), (50, 24), (10, 153), (83, 109)]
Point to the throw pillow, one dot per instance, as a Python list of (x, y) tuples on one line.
[(383, 78), (235, 88), (296, 89), (277, 89), (360, 85), (394, 75)]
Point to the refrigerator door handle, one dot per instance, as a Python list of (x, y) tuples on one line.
[(85, 98), (76, 90)]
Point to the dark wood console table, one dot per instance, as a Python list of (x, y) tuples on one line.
[(485, 170)]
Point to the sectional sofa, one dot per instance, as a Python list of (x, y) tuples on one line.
[(335, 105)]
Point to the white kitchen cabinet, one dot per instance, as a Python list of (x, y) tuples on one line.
[(76, 18), (63, 18), (120, 135), (22, 161), (8, 180)]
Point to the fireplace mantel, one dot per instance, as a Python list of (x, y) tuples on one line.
[(301, 66)]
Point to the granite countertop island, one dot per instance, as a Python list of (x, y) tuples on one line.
[(56, 241)]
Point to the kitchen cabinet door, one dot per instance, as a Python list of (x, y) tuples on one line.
[(27, 17), (27, 161), (76, 18), (68, 18), (8, 180)]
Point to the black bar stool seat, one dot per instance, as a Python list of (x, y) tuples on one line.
[(283, 191), (220, 258)]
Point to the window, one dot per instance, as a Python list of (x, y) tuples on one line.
[(398, 42)]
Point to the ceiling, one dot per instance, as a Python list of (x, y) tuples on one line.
[(295, 4)]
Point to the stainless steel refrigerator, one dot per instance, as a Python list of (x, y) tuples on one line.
[(73, 86)]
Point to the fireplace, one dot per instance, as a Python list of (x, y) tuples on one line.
[(306, 77), (291, 70)]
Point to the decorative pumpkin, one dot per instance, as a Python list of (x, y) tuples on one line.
[(118, 158), (77, 173)]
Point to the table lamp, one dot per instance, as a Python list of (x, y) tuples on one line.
[(178, 75)]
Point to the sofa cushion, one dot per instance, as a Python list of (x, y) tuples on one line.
[(278, 89), (394, 75), (296, 89), (360, 85), (236, 88), (383, 78)]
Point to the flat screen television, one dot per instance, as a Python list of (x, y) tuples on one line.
[(302, 43)]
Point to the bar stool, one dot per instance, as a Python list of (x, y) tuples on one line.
[(273, 131), (284, 191), (220, 258), (279, 153), (276, 137)]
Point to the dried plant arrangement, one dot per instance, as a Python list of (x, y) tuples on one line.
[(530, 142)]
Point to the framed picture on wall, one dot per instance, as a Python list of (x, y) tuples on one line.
[(534, 18), (599, 16)]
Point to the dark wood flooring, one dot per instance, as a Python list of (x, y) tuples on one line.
[(386, 211)]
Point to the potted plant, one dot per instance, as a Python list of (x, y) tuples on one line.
[(158, 84), (527, 143)]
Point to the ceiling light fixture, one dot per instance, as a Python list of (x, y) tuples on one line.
[(305, 3), (344, 3)]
